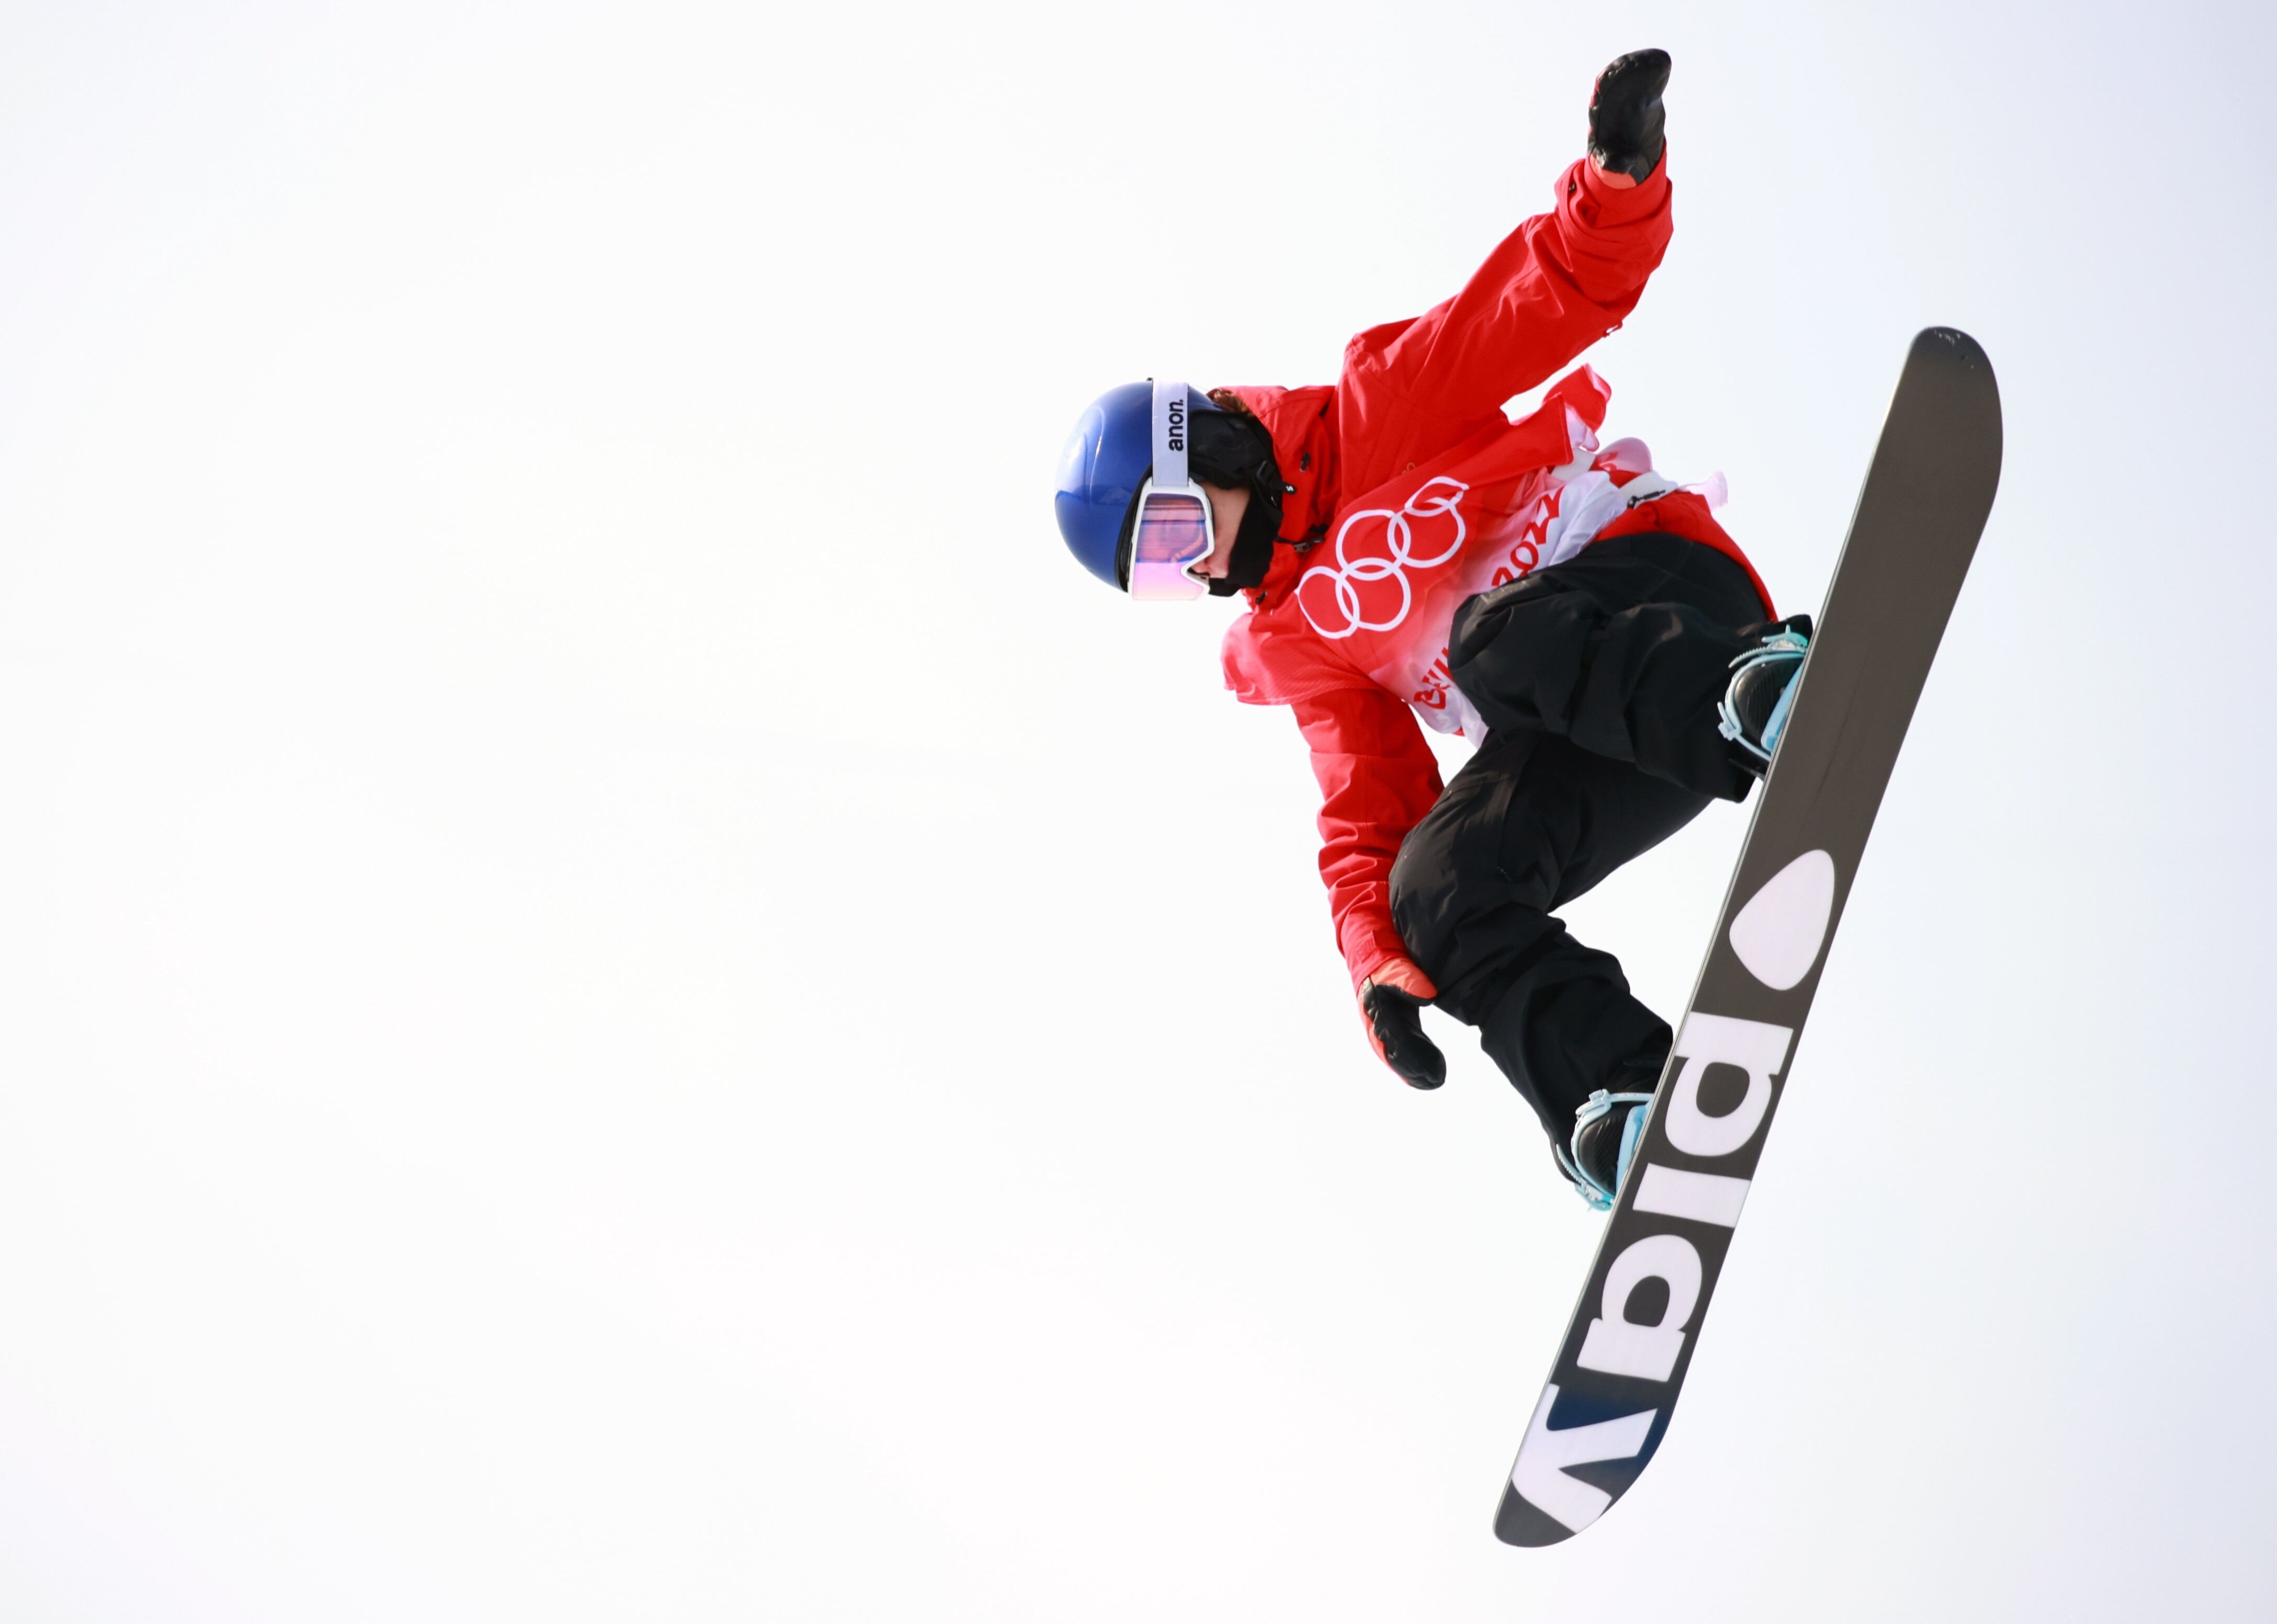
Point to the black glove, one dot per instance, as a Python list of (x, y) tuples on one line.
[(1392, 1001), (1627, 119)]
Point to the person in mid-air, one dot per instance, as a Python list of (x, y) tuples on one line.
[(1407, 551)]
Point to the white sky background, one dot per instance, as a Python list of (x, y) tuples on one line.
[(564, 1049)]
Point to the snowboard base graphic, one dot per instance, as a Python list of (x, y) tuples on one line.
[(1928, 492)]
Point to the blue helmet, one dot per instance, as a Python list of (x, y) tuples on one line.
[(1107, 459), (1103, 465)]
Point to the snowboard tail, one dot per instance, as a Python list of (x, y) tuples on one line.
[(1928, 492)]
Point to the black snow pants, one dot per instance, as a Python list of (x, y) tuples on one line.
[(1598, 679)]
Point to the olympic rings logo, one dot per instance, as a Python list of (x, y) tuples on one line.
[(1350, 575)]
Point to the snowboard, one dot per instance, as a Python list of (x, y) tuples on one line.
[(1606, 1406)]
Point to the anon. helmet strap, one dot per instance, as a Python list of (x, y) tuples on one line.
[(1171, 438)]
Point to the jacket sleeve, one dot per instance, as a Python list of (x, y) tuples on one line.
[(1377, 777), (1554, 287)]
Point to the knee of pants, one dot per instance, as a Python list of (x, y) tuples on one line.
[(1432, 875), (1518, 653), (1457, 909), (1424, 911), (1425, 892), (1467, 926)]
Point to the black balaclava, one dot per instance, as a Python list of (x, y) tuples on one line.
[(1232, 450)]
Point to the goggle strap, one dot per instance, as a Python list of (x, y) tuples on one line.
[(1172, 424)]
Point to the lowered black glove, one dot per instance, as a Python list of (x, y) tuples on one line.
[(1392, 1001), (1627, 119)]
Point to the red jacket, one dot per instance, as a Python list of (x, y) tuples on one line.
[(1413, 491)]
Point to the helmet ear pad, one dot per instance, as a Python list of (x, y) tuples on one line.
[(1233, 451)]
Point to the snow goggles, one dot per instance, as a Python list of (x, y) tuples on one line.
[(1173, 530)]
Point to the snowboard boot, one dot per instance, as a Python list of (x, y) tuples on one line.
[(1754, 710), (1606, 1129)]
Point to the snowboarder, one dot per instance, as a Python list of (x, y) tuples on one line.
[(1407, 551)]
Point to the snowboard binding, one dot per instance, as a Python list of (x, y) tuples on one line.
[(1754, 710), (1597, 1175)]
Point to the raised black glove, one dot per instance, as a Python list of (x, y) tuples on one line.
[(1627, 119)]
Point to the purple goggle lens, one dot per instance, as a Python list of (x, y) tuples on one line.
[(1172, 534)]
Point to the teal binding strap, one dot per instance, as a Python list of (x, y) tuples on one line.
[(1784, 645), (1599, 1105)]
